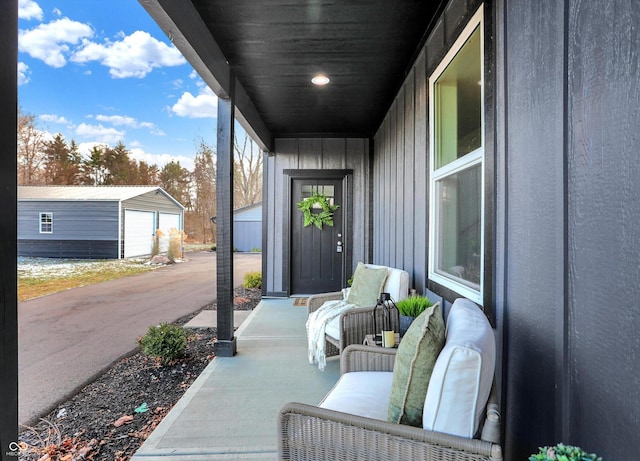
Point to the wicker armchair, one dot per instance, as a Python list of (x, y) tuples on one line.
[(311, 433), (358, 322)]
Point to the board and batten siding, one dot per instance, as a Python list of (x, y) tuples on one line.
[(312, 154), (565, 214), (571, 234), (80, 228), (400, 182)]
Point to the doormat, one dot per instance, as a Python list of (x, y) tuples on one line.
[(300, 301)]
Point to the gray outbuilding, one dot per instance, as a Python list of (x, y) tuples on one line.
[(247, 228), (102, 222)]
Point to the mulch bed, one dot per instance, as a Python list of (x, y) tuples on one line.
[(110, 418)]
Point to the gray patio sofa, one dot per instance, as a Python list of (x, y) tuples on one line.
[(461, 409)]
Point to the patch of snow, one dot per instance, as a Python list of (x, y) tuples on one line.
[(52, 267)]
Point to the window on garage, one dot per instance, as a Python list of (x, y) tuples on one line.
[(46, 223)]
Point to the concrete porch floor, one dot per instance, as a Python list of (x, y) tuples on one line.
[(230, 411)]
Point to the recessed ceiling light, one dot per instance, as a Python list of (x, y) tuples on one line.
[(320, 80)]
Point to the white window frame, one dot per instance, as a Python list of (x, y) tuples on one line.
[(467, 161), (49, 215)]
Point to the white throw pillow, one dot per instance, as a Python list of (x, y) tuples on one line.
[(463, 374)]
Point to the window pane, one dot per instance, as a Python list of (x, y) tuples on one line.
[(46, 222), (458, 104), (458, 201), (327, 190)]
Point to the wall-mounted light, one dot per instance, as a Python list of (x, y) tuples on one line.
[(320, 80)]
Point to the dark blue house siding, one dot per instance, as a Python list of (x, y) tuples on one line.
[(566, 228), (81, 229), (569, 236)]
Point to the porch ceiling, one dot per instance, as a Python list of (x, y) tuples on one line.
[(275, 47)]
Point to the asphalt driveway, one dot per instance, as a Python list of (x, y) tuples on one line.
[(66, 339)]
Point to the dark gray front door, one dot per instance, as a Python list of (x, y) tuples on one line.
[(316, 255)]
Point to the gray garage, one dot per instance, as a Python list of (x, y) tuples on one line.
[(108, 222), (247, 228)]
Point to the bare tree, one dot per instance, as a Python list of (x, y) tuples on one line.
[(203, 181), (31, 154), (247, 176)]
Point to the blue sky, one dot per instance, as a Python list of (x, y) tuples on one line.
[(102, 71)]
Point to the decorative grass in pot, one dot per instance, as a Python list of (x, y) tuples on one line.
[(409, 308)]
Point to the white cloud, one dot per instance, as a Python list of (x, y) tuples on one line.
[(23, 74), (57, 12), (161, 159), (205, 105), (28, 9), (134, 55), (86, 147), (123, 120), (51, 118), (117, 120), (99, 133), (50, 42)]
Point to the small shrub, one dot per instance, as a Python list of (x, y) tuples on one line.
[(350, 280), (165, 341), (253, 280), (563, 452), (213, 248), (256, 250), (413, 306)]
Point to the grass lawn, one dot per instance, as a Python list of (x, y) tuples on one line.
[(44, 276), (39, 276)]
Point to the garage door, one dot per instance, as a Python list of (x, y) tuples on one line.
[(168, 221), (138, 232)]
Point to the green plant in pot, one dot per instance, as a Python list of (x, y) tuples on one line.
[(561, 452), (409, 308)]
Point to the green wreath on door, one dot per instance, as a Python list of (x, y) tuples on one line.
[(317, 219)]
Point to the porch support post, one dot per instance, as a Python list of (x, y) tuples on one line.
[(225, 346), (8, 232)]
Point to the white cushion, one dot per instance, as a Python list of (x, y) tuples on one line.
[(362, 393), (463, 374), (332, 328), (396, 284)]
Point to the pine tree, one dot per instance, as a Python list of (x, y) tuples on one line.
[(94, 168), (118, 165), (175, 181)]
